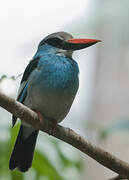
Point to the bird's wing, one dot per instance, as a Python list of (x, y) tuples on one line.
[(22, 93)]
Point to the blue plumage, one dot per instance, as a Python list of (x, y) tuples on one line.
[(48, 86), (52, 85), (56, 71)]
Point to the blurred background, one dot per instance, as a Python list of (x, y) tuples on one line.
[(100, 111)]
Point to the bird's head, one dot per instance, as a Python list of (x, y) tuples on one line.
[(65, 43)]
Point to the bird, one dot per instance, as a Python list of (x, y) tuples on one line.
[(48, 86)]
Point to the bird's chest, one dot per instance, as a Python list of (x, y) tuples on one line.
[(54, 86), (57, 77), (52, 89)]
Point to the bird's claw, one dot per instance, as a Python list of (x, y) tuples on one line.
[(40, 116)]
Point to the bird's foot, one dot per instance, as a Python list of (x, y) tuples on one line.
[(40, 116)]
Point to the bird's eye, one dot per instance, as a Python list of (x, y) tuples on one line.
[(54, 41)]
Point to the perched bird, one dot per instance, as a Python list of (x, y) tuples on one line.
[(48, 86)]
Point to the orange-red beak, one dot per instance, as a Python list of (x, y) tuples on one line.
[(76, 44), (83, 41)]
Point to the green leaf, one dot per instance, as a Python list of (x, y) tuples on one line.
[(16, 175), (13, 133), (65, 161), (44, 168)]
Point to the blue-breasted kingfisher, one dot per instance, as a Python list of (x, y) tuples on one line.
[(48, 86)]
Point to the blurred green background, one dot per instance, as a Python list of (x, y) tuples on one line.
[(100, 111), (50, 161)]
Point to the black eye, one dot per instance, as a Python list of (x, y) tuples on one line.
[(54, 41)]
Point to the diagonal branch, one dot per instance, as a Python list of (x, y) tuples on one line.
[(67, 135)]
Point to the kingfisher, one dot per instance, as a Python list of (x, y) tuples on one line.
[(48, 86)]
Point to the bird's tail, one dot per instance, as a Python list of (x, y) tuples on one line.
[(23, 151)]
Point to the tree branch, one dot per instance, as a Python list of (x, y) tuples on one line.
[(67, 135)]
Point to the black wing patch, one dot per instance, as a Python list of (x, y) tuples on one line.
[(31, 66)]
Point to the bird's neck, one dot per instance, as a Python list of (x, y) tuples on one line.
[(48, 49), (45, 49), (59, 72)]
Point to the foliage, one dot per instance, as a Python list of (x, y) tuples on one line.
[(42, 164)]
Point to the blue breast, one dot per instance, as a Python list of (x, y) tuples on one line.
[(53, 85), (57, 72)]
